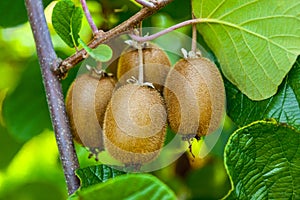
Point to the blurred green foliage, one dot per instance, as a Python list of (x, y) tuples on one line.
[(29, 161)]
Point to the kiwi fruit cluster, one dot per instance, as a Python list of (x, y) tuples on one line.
[(134, 116)]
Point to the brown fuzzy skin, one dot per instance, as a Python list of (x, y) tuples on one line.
[(198, 106), (86, 103), (135, 125), (156, 65)]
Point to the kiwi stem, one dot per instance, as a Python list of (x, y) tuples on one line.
[(89, 17), (141, 65), (126, 26), (60, 123), (165, 31), (194, 36), (140, 53)]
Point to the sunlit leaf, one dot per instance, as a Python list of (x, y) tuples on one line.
[(284, 106), (66, 20), (102, 53), (37, 160), (131, 186), (263, 162), (256, 42), (35, 190)]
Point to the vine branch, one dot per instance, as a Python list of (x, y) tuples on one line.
[(48, 60), (127, 25), (165, 31)]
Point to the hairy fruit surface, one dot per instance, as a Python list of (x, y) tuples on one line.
[(135, 124), (156, 65), (86, 103), (195, 97)]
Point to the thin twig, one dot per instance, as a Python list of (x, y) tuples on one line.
[(145, 3), (48, 59), (165, 31), (89, 17), (127, 25)]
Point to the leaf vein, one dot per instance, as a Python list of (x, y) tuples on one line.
[(216, 8), (237, 8), (291, 7), (224, 23), (267, 17), (240, 60), (256, 59)]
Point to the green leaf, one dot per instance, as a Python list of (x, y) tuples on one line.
[(37, 160), (9, 10), (66, 20), (211, 177), (11, 147), (256, 42), (131, 186), (25, 110), (284, 106), (263, 162), (102, 53), (96, 174)]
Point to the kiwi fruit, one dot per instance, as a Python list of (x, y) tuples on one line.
[(135, 125), (86, 102), (156, 65), (195, 97)]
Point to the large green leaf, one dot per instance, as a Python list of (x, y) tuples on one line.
[(284, 106), (96, 174), (263, 162), (131, 186), (66, 20), (25, 110), (256, 42)]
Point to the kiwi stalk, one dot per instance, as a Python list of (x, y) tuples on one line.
[(156, 65)]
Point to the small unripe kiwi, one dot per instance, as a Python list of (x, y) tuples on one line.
[(195, 97), (135, 125), (156, 65), (86, 103)]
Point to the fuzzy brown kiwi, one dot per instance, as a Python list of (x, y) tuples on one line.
[(195, 97), (156, 65), (86, 102), (135, 125)]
